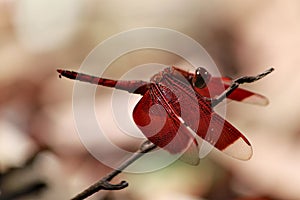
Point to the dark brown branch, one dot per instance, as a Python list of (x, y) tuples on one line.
[(104, 183)]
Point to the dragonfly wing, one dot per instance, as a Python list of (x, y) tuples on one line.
[(206, 123), (246, 96), (191, 155), (220, 133), (164, 129), (228, 139)]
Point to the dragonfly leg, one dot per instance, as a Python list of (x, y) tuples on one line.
[(235, 84)]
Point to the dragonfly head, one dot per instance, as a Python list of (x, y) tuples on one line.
[(201, 78)]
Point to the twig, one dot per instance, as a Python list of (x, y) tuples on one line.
[(235, 84), (104, 184)]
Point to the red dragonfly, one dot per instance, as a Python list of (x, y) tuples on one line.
[(176, 90)]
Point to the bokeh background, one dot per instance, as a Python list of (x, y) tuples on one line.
[(41, 156)]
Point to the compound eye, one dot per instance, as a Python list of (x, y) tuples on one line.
[(201, 78)]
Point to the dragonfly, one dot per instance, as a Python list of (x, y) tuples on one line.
[(172, 91)]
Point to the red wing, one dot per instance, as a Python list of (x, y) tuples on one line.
[(217, 85), (163, 129), (225, 137), (205, 122)]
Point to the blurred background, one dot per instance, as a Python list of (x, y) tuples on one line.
[(41, 156)]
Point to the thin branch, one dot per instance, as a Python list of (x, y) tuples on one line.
[(236, 83), (104, 183)]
